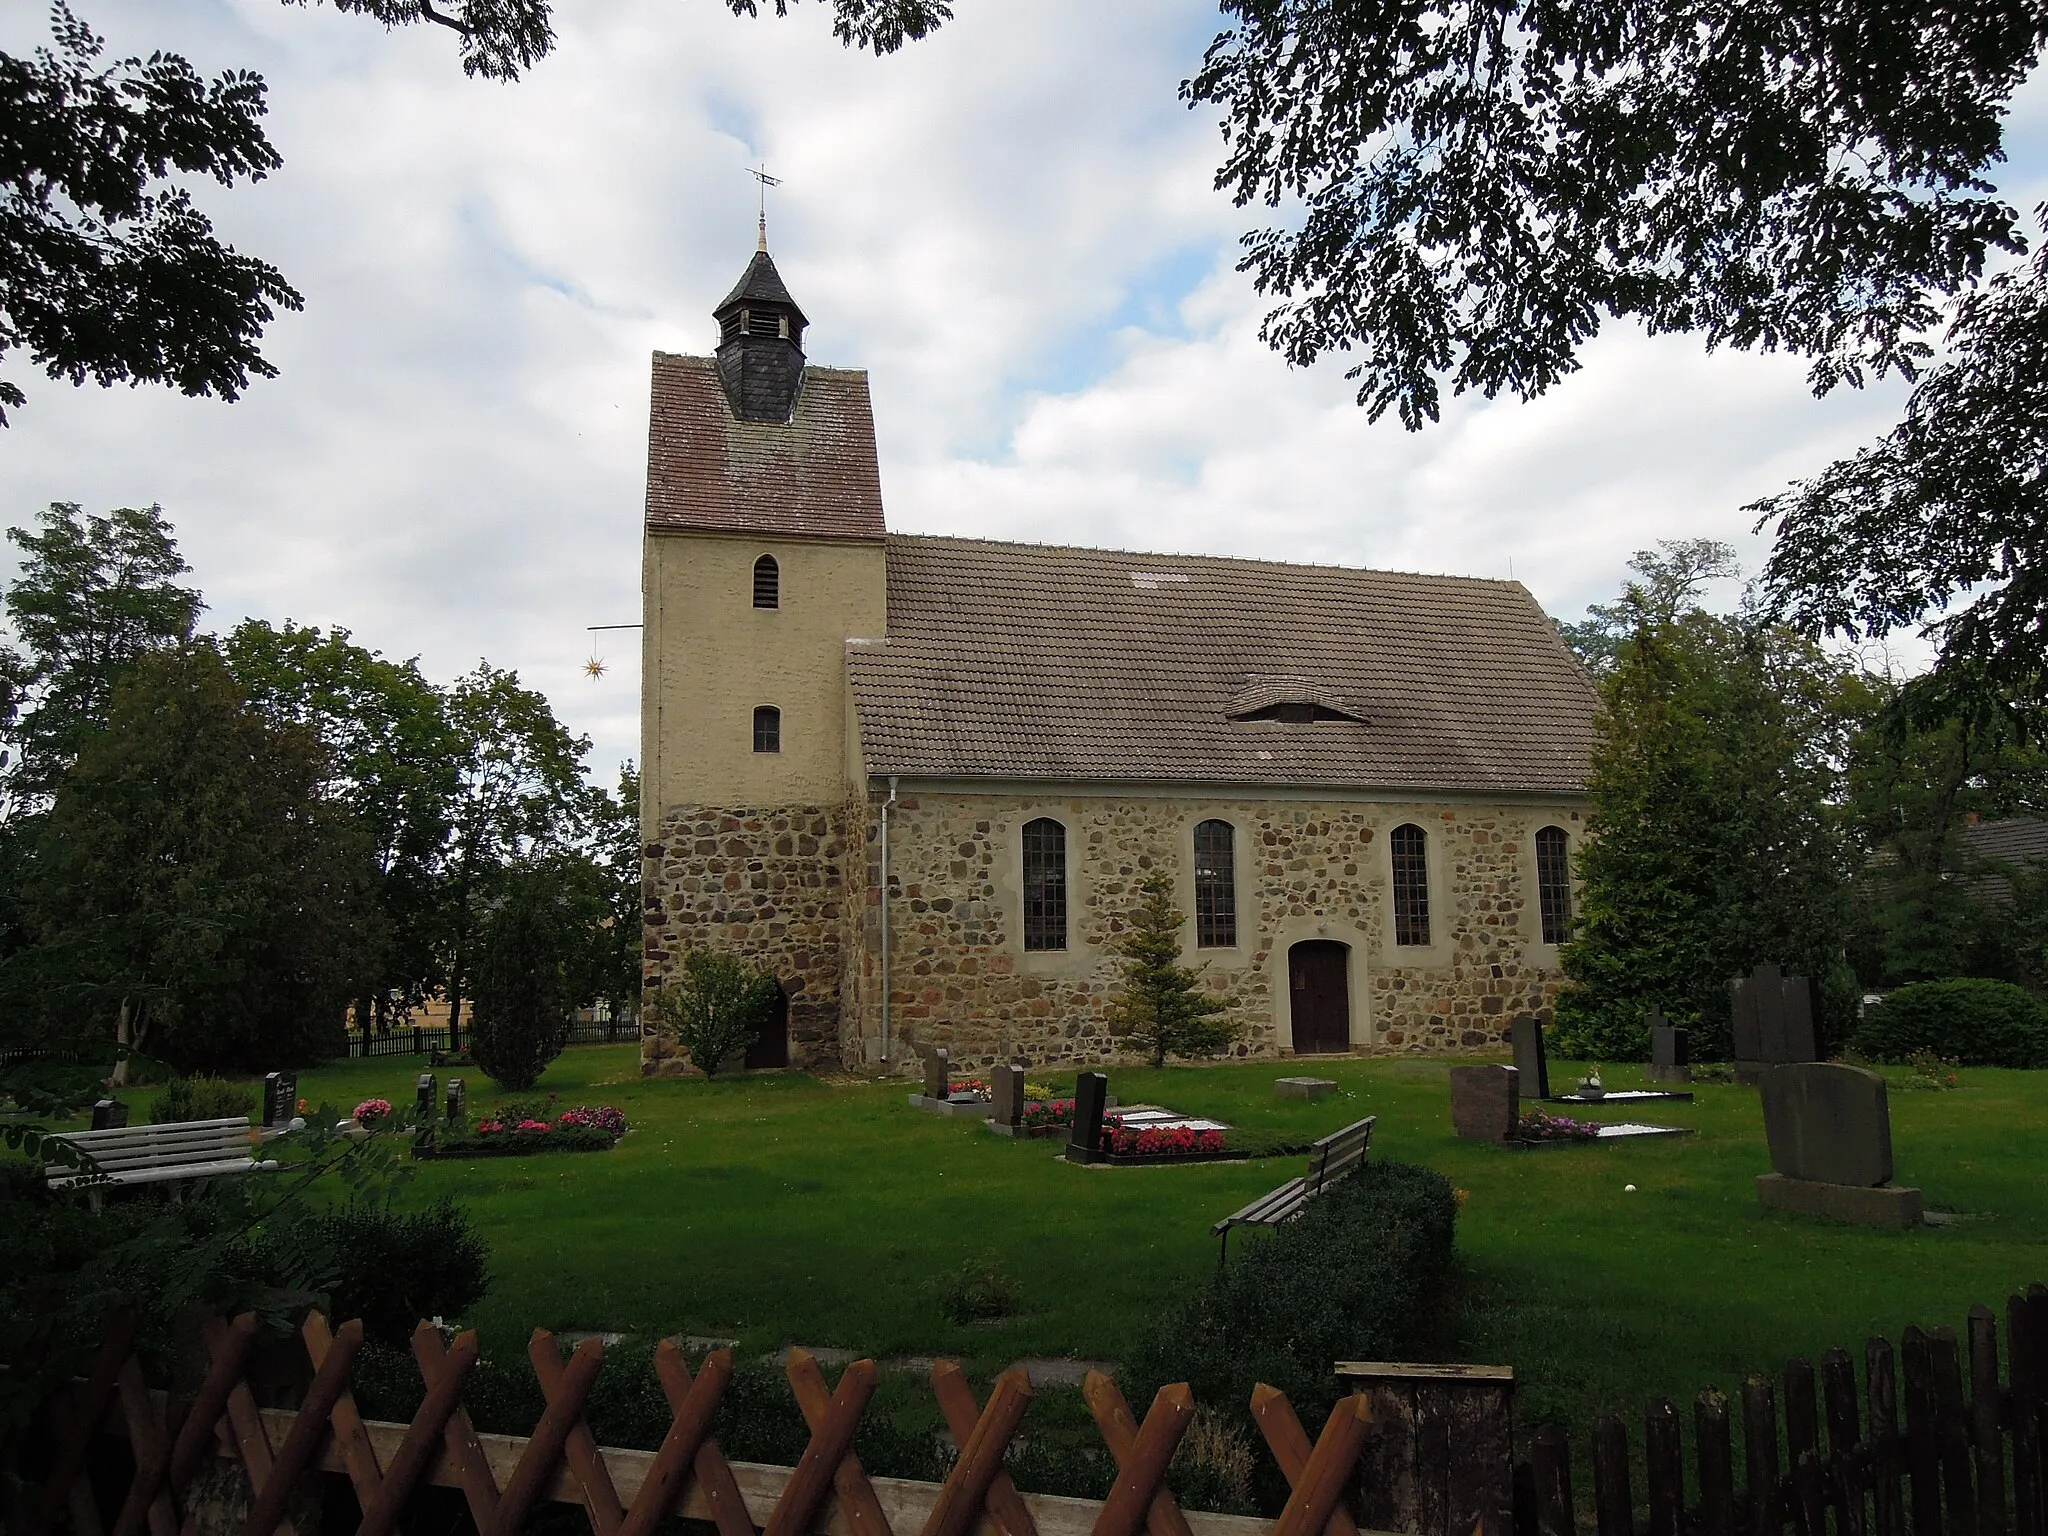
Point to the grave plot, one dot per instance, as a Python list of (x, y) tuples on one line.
[(1534, 1066), (1142, 1134), (1486, 1105), (943, 1096)]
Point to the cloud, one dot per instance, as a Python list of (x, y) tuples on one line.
[(1011, 225)]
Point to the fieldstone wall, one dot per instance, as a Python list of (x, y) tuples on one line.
[(961, 979), (766, 883)]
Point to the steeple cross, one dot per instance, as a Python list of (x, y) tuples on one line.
[(767, 181)]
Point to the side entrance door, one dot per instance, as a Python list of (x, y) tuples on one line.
[(771, 1046), (1319, 996)]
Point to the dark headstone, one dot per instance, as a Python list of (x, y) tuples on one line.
[(1793, 1039), (1009, 1096), (1745, 994), (424, 1096), (1828, 1124), (458, 1101), (1670, 1055), (1527, 1033), (938, 1078), (1773, 1021), (280, 1097), (109, 1115), (1485, 1102), (1091, 1095)]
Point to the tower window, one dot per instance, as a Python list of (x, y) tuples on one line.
[(1215, 886), (1554, 883), (1409, 848), (728, 329), (767, 583), (767, 729), (761, 323), (1045, 884)]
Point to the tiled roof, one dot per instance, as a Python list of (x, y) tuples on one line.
[(1017, 660), (814, 476), (2015, 840), (760, 283)]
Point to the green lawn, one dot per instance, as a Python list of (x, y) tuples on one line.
[(784, 1208)]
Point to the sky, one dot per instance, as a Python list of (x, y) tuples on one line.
[(1012, 225)]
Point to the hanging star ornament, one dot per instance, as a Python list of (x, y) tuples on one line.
[(594, 667)]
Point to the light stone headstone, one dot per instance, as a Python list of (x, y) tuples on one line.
[(1485, 1103), (1526, 1031), (1009, 1096)]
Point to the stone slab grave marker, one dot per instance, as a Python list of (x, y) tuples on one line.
[(1310, 1088), (109, 1115), (1485, 1103), (1009, 1100), (938, 1096), (1526, 1031), (1091, 1094), (458, 1102), (1772, 1018), (280, 1099), (424, 1096), (1830, 1133), (1670, 1057)]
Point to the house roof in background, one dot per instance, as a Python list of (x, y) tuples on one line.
[(814, 476), (2015, 840), (1029, 661)]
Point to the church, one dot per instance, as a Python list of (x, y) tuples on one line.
[(919, 779)]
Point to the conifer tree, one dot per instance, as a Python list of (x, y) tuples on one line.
[(520, 1023), (1161, 1011)]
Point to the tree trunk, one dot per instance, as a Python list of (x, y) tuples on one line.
[(120, 1074)]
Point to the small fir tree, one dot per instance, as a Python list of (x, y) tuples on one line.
[(716, 1004), (1161, 1011), (519, 1024)]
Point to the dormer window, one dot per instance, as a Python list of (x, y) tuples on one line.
[(1291, 701), (767, 583)]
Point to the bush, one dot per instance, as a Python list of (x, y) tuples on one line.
[(715, 1004), (520, 1023), (1359, 1275), (515, 1143), (1975, 1023), (392, 1268), (978, 1290), (203, 1098)]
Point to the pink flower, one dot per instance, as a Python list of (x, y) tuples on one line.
[(370, 1111), (535, 1125)]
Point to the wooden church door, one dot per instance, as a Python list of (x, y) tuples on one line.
[(771, 1046), (1319, 996)]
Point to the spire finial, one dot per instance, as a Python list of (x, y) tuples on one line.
[(767, 181)]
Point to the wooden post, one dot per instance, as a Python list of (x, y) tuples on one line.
[(1664, 1468), (1613, 1501), (1552, 1455), (1439, 1460), (1760, 1455), (1923, 1454), (1851, 1476), (1887, 1511), (1986, 1430), (1717, 1464)]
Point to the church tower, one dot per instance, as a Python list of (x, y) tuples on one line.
[(763, 555)]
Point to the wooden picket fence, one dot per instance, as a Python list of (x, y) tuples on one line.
[(627, 1493), (1966, 1461)]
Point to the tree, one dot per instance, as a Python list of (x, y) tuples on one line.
[(1947, 514), (192, 891), (604, 957), (521, 1021), (1161, 1010), (1671, 577), (713, 1005), (1478, 185), (1709, 841), (107, 270), (95, 595)]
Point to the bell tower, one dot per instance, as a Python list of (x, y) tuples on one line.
[(761, 342)]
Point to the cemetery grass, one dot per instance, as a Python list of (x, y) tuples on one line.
[(785, 1208)]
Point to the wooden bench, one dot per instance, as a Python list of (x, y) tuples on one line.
[(153, 1154), (1329, 1160)]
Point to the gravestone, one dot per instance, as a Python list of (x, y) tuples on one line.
[(280, 1098), (458, 1102), (1485, 1103), (424, 1097), (1310, 1088), (1772, 1018), (1670, 1057), (1830, 1134), (1091, 1095), (109, 1115), (938, 1075), (1527, 1034), (1009, 1097)]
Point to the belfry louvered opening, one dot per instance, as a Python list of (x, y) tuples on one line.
[(767, 583)]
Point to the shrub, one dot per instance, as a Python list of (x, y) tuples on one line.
[(1976, 1023), (521, 1024), (514, 1141), (715, 1005), (1359, 1275), (978, 1290), (202, 1098), (392, 1268)]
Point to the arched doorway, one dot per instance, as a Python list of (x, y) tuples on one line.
[(1319, 996), (771, 1046)]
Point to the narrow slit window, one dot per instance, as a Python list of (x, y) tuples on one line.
[(1045, 884), (1554, 883), (767, 583), (1215, 886), (767, 729), (1409, 847)]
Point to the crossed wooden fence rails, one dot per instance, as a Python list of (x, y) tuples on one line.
[(1945, 1472), (627, 1493)]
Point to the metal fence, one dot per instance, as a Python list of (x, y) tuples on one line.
[(424, 1041)]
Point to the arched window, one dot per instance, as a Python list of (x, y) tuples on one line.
[(1554, 883), (1215, 886), (1045, 884), (767, 583), (767, 729), (1409, 847)]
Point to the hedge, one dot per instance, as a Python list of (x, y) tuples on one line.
[(1976, 1023)]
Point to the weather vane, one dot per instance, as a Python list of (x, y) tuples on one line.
[(766, 181)]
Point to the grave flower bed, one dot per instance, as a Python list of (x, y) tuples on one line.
[(367, 1113), (1133, 1146), (516, 1130), (1535, 1125), (1048, 1114)]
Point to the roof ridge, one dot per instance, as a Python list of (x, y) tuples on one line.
[(1237, 560)]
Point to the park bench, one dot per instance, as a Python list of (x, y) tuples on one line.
[(1329, 1160), (153, 1154)]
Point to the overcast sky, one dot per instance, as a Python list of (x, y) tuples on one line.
[(1010, 225)]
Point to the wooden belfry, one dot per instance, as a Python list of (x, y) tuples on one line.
[(628, 1493)]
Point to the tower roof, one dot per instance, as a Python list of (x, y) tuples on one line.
[(761, 284)]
